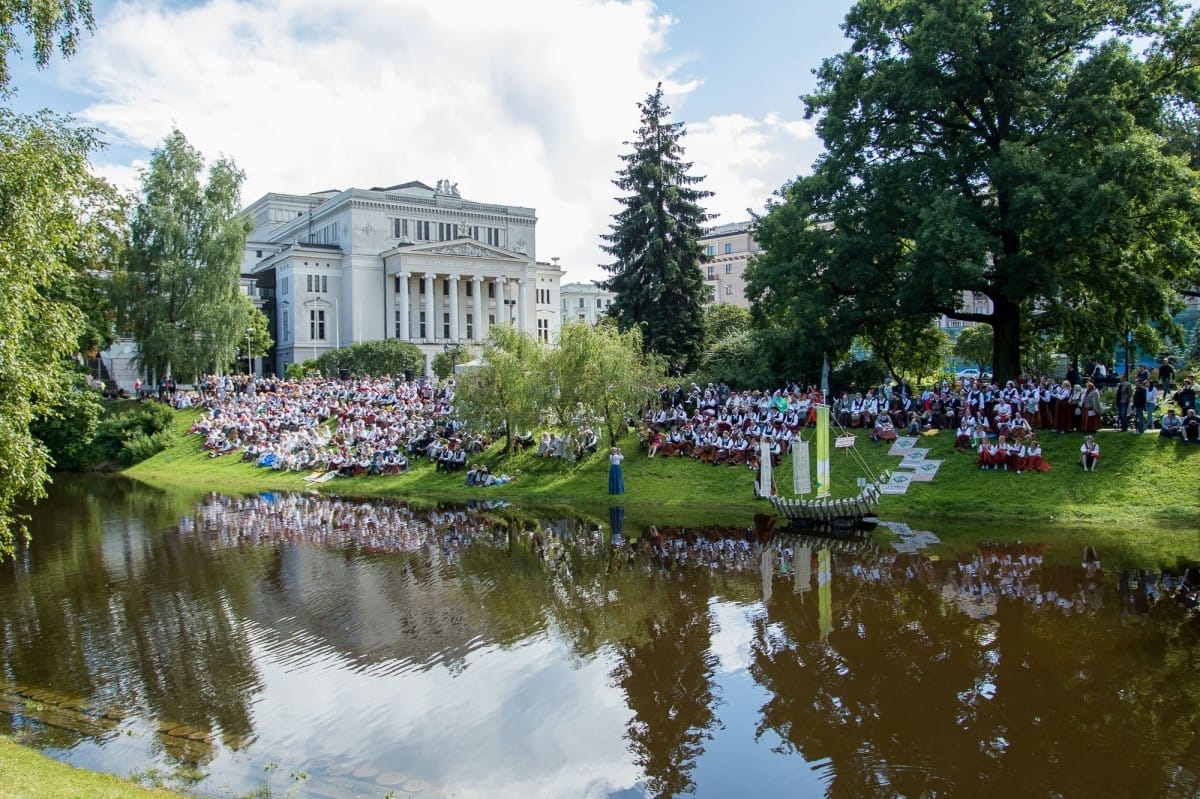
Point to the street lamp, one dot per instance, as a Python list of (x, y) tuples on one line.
[(249, 357)]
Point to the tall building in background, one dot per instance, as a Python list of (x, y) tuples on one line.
[(584, 302), (408, 262), (729, 249)]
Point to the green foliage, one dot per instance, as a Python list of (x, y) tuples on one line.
[(298, 370), (598, 375), (179, 294), (974, 345), (445, 361), (655, 239), (1024, 151), (131, 437), (67, 428), (46, 195), (371, 358), (724, 319), (908, 348), (505, 392), (738, 359), (50, 25)]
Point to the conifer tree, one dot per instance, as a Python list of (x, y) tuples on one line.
[(655, 240)]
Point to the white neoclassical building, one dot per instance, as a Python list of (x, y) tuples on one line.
[(409, 262)]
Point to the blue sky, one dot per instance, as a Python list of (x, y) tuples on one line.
[(526, 102)]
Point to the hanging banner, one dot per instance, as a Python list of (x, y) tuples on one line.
[(822, 450), (801, 468)]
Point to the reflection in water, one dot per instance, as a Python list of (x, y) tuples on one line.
[(488, 652)]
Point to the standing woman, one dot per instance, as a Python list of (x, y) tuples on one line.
[(616, 483), (1091, 408)]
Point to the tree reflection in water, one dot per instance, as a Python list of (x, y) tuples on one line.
[(991, 674)]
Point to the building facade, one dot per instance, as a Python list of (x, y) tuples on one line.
[(584, 302), (409, 262), (729, 249)]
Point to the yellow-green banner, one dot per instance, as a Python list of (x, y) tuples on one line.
[(822, 450)]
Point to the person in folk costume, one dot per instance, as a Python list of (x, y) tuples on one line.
[(1063, 412), (1034, 461), (962, 436), (1091, 409), (1089, 454)]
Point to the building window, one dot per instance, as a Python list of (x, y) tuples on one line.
[(399, 228), (445, 325), (399, 332), (493, 236), (420, 286), (421, 322), (582, 318), (470, 325), (712, 272), (712, 293), (599, 303), (728, 289), (470, 288), (728, 248), (491, 319), (543, 330), (308, 283), (324, 284), (710, 250), (421, 230), (316, 325), (447, 231), (397, 289), (258, 253), (581, 301), (729, 269), (491, 291), (284, 287), (445, 288)]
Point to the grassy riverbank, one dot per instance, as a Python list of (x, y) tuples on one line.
[(27, 774), (1144, 493)]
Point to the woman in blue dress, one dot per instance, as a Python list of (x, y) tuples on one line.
[(616, 483)]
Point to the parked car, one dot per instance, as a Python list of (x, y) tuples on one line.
[(969, 374)]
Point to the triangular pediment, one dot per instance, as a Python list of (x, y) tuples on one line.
[(461, 247)]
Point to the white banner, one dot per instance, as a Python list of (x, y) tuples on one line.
[(801, 468)]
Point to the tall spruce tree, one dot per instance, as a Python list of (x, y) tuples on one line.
[(655, 240)]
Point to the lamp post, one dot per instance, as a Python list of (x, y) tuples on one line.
[(249, 357)]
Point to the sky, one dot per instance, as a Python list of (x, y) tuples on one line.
[(526, 102)]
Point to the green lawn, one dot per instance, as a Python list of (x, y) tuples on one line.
[(28, 774)]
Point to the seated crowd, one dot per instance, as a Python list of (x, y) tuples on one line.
[(345, 427)]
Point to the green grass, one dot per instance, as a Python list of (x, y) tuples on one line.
[(28, 774), (1144, 496)]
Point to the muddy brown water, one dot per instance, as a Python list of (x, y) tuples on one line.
[(286, 644)]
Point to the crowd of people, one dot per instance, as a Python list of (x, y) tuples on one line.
[(326, 426)]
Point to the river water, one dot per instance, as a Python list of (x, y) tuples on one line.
[(291, 645)]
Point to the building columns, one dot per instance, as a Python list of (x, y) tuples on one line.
[(430, 320), (479, 309), (453, 281)]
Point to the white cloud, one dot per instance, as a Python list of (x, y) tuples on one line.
[(745, 160), (524, 102)]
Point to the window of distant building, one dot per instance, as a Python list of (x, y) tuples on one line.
[(316, 325), (543, 330), (728, 289), (470, 326), (728, 248), (399, 332), (712, 272), (729, 269), (421, 325), (710, 250)]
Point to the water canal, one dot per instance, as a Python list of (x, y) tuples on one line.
[(290, 645)]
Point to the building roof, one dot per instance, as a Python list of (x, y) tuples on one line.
[(727, 229)]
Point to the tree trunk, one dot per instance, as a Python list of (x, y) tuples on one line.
[(1006, 339)]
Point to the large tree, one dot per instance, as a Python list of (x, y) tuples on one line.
[(655, 239), (1027, 151), (180, 293), (49, 25), (46, 196)]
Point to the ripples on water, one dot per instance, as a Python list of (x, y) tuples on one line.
[(332, 647)]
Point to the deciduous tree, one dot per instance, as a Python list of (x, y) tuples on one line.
[(504, 392), (974, 345), (1026, 151), (46, 193), (655, 239), (181, 297)]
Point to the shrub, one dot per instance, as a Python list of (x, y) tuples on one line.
[(68, 430), (118, 437)]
